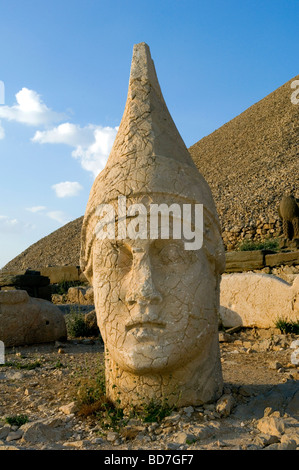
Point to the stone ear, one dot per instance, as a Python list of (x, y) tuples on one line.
[(296, 285), (88, 272)]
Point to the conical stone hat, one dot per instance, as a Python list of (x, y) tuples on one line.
[(148, 157)]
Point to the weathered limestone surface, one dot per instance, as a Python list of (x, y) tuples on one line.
[(27, 320), (251, 299), (157, 303)]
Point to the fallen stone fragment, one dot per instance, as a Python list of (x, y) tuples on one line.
[(274, 365), (185, 438), (173, 419), (9, 448), (271, 425), (69, 409), (203, 431), (97, 440), (287, 443), (293, 405), (39, 432), (4, 431), (112, 436), (266, 440), (14, 436), (224, 337), (173, 446), (76, 444), (268, 411), (224, 405), (130, 432), (188, 410)]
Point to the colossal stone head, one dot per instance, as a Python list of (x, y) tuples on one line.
[(156, 297)]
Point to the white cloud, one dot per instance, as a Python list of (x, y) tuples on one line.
[(66, 133), (30, 109), (36, 209), (59, 216), (13, 225), (67, 188), (92, 144), (2, 133)]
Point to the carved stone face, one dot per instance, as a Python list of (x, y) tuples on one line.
[(155, 302)]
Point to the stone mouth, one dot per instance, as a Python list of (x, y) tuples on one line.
[(148, 325)]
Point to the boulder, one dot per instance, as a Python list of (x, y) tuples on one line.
[(27, 320), (90, 319), (80, 295), (41, 431), (257, 300)]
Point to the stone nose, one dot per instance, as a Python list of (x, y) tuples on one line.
[(142, 289)]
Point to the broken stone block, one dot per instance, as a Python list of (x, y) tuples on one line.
[(27, 320)]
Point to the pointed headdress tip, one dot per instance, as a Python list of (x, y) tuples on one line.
[(142, 66)]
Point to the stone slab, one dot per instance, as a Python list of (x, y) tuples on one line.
[(257, 300), (238, 261), (59, 274), (279, 259)]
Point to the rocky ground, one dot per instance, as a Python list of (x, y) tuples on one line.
[(259, 408)]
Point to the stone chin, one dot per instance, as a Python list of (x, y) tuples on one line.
[(160, 356), (144, 359)]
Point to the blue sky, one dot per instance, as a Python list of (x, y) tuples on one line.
[(65, 67)]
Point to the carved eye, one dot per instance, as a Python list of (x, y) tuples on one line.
[(164, 253), (124, 257), (113, 256), (170, 254)]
